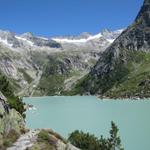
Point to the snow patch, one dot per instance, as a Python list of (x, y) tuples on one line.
[(25, 40), (4, 41), (77, 40), (43, 38), (120, 31), (110, 40)]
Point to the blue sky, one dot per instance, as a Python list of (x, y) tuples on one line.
[(66, 17)]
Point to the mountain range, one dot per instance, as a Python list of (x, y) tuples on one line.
[(47, 66)]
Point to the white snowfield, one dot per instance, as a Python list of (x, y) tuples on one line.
[(110, 40), (5, 42), (84, 40), (65, 40)]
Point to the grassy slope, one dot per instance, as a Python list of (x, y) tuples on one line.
[(129, 80), (137, 82), (54, 84), (52, 81)]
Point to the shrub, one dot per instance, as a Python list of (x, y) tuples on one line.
[(10, 138), (14, 101), (43, 136), (85, 141)]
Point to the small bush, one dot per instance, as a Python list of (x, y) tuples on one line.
[(7, 143), (43, 136), (14, 101), (9, 139)]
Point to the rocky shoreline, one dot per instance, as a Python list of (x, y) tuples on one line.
[(122, 98)]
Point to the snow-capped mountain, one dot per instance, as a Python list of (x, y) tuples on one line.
[(8, 39), (26, 40), (33, 63), (29, 41)]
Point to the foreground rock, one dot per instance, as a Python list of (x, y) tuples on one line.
[(11, 124), (14, 136), (25, 141), (42, 139)]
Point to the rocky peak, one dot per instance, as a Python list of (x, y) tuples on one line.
[(144, 15), (136, 36), (27, 35), (8, 39), (111, 35), (6, 35), (84, 35), (105, 31)]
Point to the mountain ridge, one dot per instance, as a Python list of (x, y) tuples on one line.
[(31, 63), (122, 68), (85, 37)]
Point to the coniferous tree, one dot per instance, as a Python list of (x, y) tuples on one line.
[(114, 140)]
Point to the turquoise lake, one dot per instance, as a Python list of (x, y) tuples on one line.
[(65, 114)]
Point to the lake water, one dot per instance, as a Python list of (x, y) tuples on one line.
[(87, 113)]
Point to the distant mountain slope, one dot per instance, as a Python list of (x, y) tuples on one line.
[(42, 66), (123, 69)]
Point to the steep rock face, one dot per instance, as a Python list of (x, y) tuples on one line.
[(9, 118), (136, 36), (125, 59), (11, 122), (17, 67)]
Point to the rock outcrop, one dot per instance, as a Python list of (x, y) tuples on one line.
[(14, 136), (9, 118), (49, 140), (11, 122)]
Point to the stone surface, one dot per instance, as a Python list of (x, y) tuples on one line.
[(10, 119), (25, 141)]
